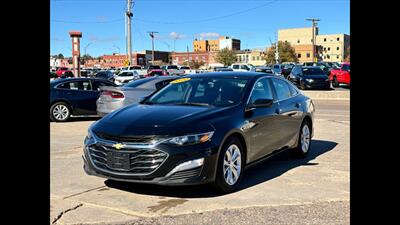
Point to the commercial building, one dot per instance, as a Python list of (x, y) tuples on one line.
[(333, 46), (216, 45), (254, 57), (330, 47), (207, 57)]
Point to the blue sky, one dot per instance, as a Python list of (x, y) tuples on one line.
[(254, 22)]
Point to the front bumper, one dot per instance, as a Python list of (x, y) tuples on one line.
[(162, 175), (318, 85)]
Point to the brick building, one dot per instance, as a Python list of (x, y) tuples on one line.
[(208, 58)]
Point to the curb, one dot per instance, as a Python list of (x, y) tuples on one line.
[(333, 95)]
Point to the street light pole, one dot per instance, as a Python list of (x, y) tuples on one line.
[(87, 46)]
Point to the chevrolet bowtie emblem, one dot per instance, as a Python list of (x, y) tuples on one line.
[(118, 146)]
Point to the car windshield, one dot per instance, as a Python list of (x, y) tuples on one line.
[(185, 68), (346, 67), (154, 67), (125, 74), (200, 91), (313, 71), (173, 67), (138, 82)]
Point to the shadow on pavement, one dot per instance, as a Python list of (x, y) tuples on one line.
[(270, 169), (80, 119)]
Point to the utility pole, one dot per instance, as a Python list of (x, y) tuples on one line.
[(129, 14), (314, 25), (187, 50), (151, 33), (276, 49)]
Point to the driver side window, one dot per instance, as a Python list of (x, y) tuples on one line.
[(261, 90)]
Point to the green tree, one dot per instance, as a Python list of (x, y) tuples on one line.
[(60, 56), (226, 57), (347, 54), (286, 53)]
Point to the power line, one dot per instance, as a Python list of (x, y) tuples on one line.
[(66, 21), (212, 18)]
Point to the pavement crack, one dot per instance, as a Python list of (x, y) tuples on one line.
[(83, 192), (58, 217)]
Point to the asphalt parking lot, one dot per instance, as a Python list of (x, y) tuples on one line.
[(283, 190)]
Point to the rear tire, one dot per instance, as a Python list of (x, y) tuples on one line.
[(304, 141), (230, 166), (60, 112)]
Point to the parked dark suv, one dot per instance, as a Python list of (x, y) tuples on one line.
[(200, 129)]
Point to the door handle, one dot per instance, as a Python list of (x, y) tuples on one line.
[(298, 105), (278, 111)]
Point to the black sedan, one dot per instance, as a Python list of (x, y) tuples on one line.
[(309, 77), (74, 97), (200, 129)]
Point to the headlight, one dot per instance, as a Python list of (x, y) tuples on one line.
[(191, 139), (89, 137), (309, 80)]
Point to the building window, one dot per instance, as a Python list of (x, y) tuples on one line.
[(337, 39), (258, 57), (298, 41), (329, 48), (324, 39), (299, 55), (337, 48), (324, 56), (254, 58), (324, 49), (308, 55), (337, 56), (328, 56)]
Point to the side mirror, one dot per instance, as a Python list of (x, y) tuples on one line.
[(260, 103)]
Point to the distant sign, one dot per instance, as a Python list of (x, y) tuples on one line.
[(126, 62)]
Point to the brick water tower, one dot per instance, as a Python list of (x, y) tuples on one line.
[(76, 52)]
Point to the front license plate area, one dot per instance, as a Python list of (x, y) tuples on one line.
[(118, 160)]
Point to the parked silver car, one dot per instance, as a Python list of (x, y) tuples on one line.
[(112, 98)]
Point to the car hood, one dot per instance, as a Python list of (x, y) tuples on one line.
[(139, 119)]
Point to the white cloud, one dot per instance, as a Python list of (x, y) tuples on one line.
[(175, 35), (208, 34)]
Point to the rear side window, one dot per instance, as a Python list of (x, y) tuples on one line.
[(98, 84), (235, 66), (281, 88), (68, 85), (293, 90)]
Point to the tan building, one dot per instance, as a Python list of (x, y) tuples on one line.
[(333, 46), (257, 58), (216, 45), (302, 41)]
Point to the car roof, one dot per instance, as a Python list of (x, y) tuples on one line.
[(228, 74), (77, 79)]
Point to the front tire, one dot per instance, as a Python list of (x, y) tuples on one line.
[(230, 166), (335, 82), (304, 141), (60, 112)]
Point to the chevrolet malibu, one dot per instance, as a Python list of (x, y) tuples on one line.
[(204, 128)]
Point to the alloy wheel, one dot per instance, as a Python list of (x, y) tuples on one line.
[(232, 164), (60, 112), (305, 138)]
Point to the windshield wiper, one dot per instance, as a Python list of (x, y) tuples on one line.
[(193, 104)]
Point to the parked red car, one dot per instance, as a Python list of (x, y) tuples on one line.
[(340, 76), (60, 71), (154, 70)]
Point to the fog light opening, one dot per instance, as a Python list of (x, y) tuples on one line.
[(187, 166)]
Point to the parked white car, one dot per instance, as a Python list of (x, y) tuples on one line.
[(141, 71), (187, 70), (172, 70), (241, 67), (125, 76)]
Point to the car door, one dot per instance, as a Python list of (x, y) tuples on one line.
[(261, 126), (289, 110), (86, 99)]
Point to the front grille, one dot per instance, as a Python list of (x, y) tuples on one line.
[(186, 174), (131, 139), (132, 161), (319, 82)]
